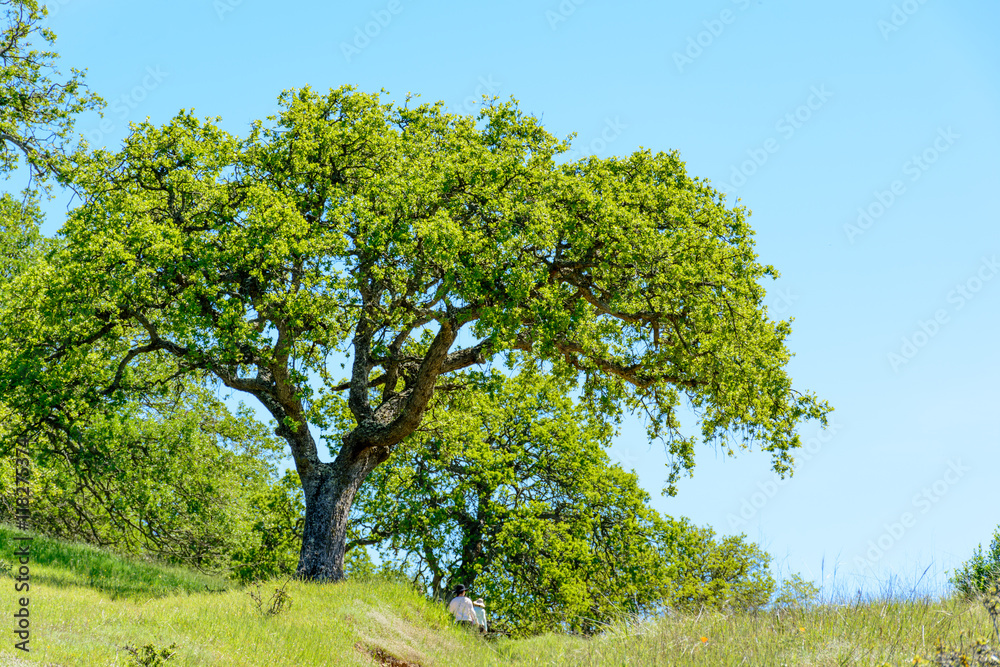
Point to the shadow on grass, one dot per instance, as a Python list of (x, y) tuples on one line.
[(59, 563)]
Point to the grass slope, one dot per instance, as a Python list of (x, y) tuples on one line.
[(87, 604), (61, 564)]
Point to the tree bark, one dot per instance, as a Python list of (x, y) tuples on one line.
[(329, 492)]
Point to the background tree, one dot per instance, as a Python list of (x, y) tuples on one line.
[(355, 233), (507, 489), (707, 571), (176, 476)]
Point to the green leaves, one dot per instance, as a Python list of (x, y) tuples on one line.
[(21, 244), (352, 222), (507, 490), (179, 478), (981, 571), (37, 105), (346, 228)]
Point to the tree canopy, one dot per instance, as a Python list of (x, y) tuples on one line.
[(352, 233)]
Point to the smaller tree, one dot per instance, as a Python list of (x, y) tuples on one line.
[(706, 571), (979, 572), (176, 476), (508, 490), (796, 594)]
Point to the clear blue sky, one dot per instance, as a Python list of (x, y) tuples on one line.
[(863, 136)]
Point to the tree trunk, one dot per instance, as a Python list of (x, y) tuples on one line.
[(329, 491), (330, 487)]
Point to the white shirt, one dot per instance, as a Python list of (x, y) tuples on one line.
[(481, 616), (463, 610)]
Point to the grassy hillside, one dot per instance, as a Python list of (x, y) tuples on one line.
[(87, 605)]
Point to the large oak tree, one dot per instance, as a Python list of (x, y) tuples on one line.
[(353, 231)]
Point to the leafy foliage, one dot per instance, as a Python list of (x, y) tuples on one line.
[(796, 594), (507, 489), (149, 655), (37, 105), (21, 244), (275, 535), (977, 574), (178, 477), (711, 572), (351, 227)]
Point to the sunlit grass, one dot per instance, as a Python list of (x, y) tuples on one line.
[(864, 633), (59, 563), (87, 604)]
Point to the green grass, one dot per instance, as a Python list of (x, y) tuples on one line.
[(61, 564), (869, 633), (87, 604)]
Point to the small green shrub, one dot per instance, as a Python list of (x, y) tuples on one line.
[(278, 602), (796, 593), (981, 571), (149, 655)]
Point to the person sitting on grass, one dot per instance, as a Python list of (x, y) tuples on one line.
[(461, 606), (480, 608)]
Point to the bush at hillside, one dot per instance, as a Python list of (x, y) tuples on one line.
[(981, 571)]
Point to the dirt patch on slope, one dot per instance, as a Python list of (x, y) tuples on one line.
[(384, 657)]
